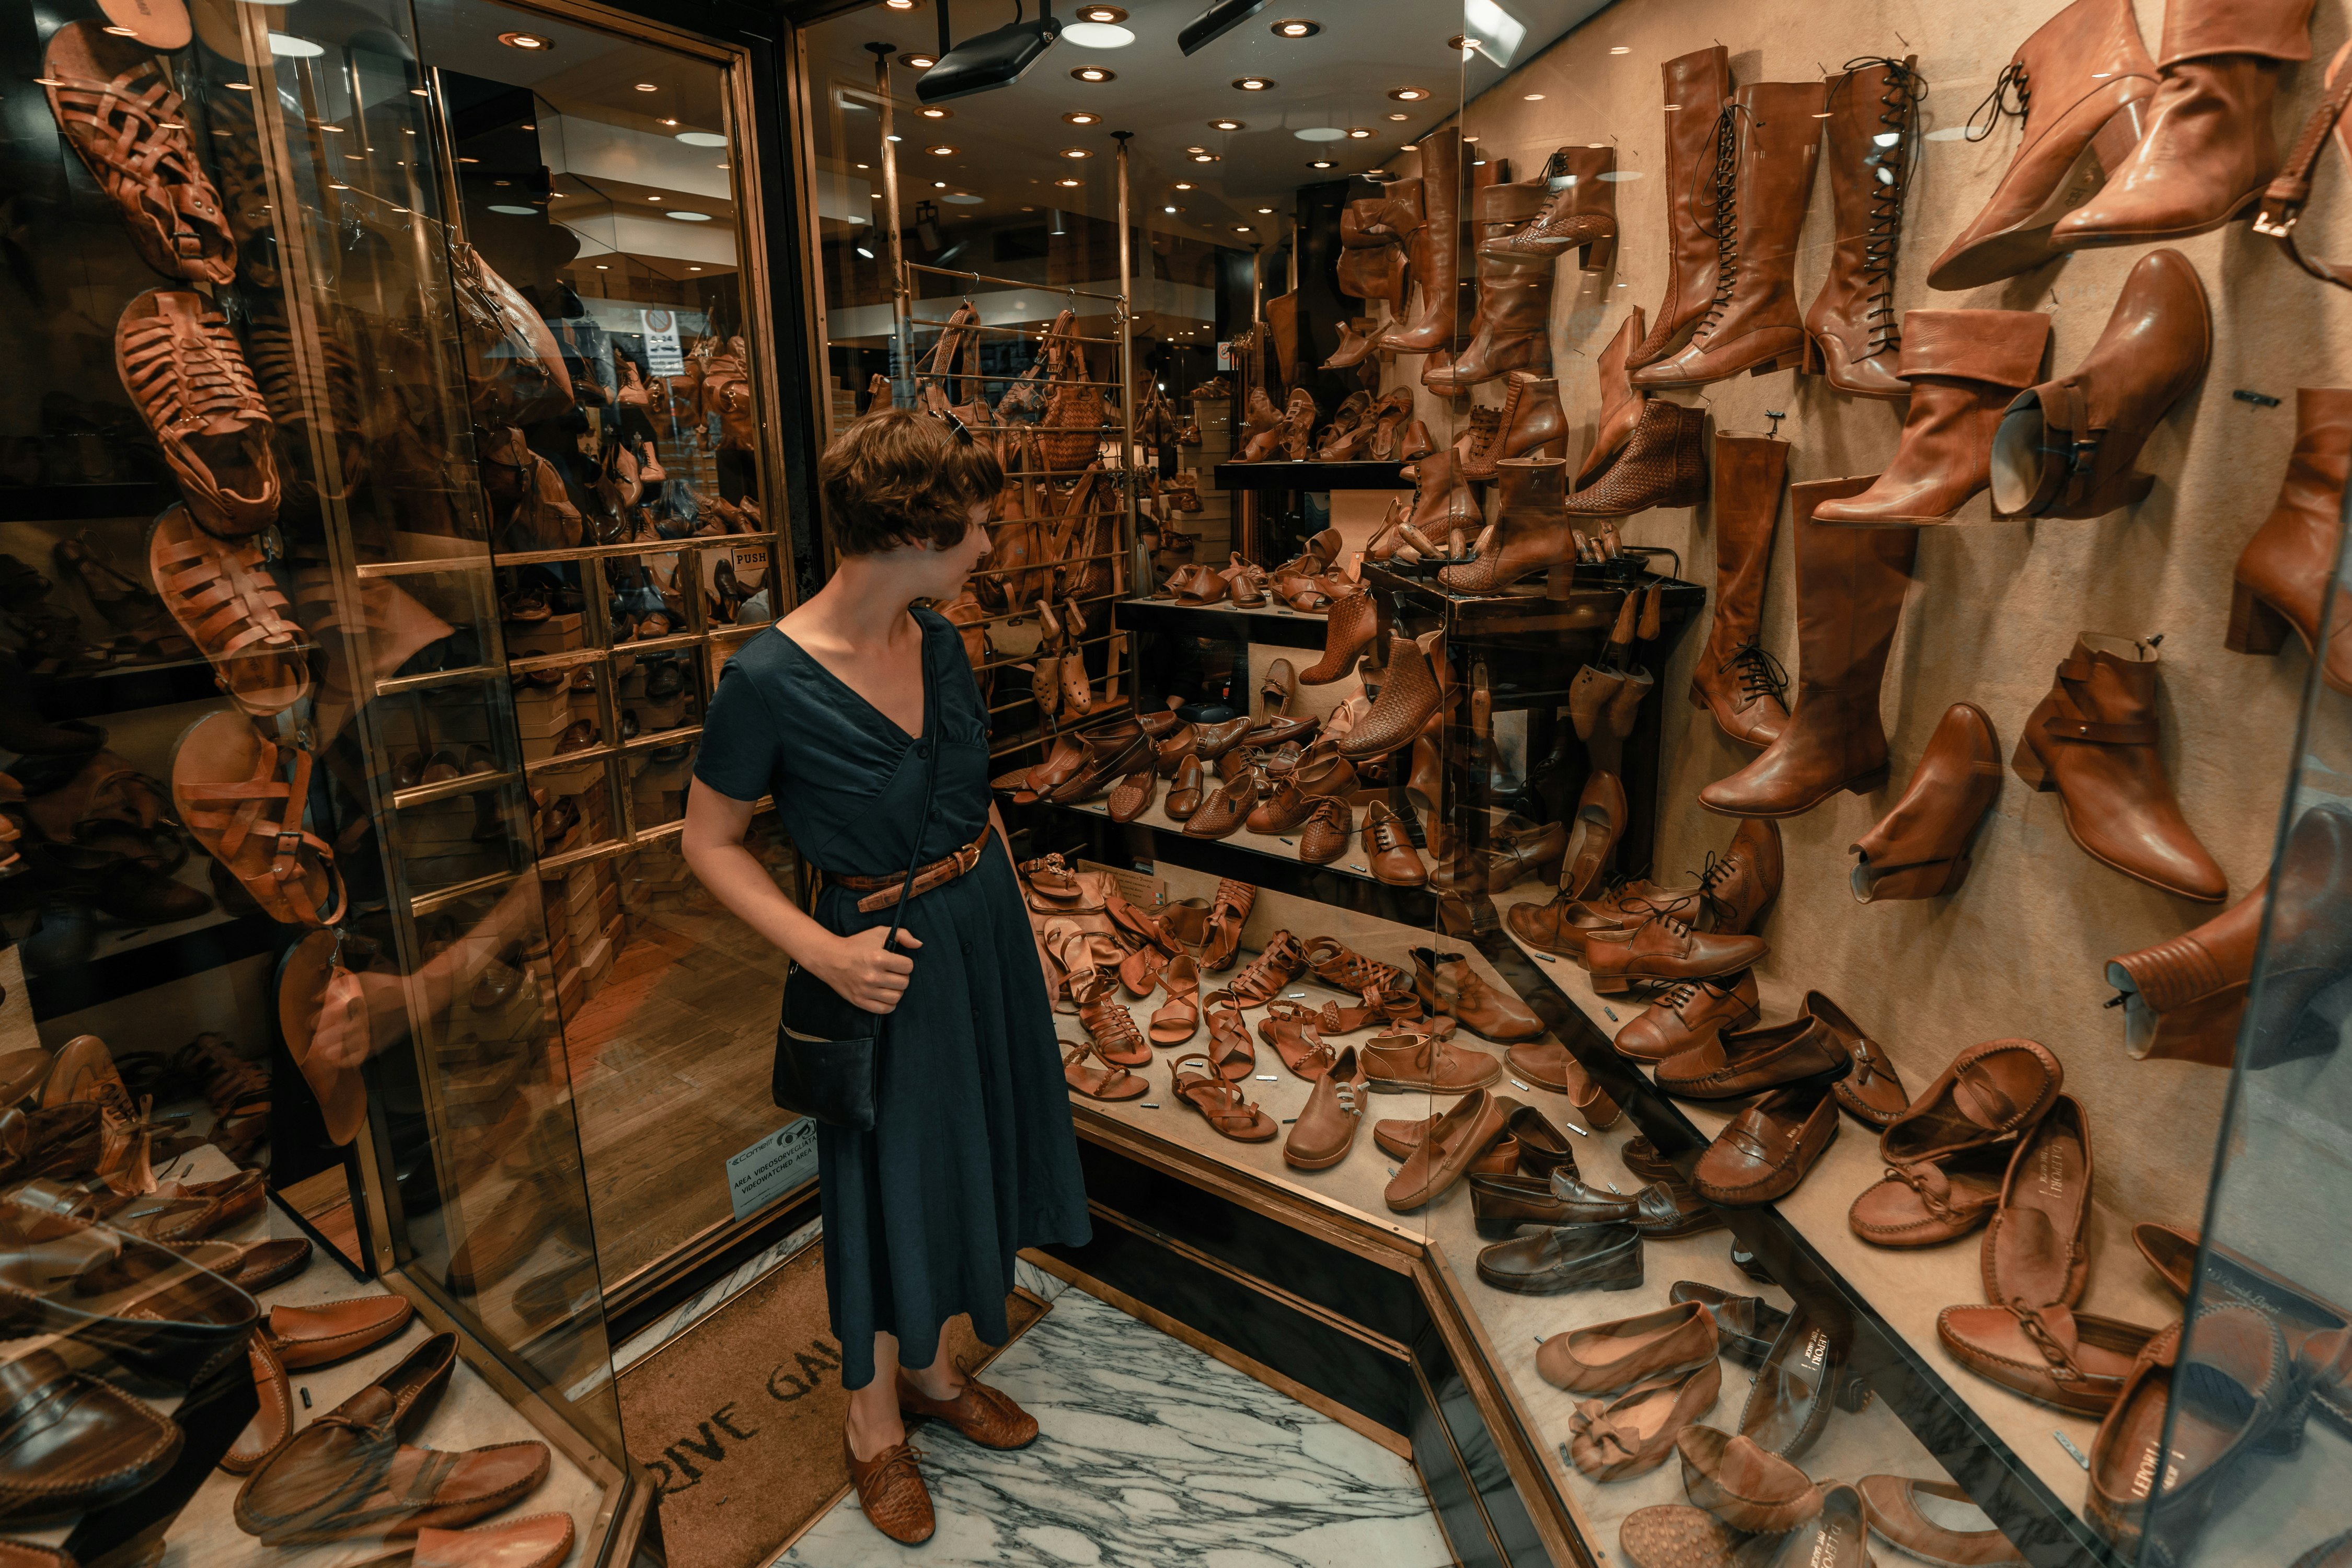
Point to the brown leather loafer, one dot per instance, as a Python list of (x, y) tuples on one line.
[(1131, 797), (1500, 1204), (1892, 1506), (1800, 1054), (2036, 1248), (1564, 1258), (1835, 1536), (1605, 1357), (1398, 1137), (891, 1493), (1873, 1094), (1447, 982), (1446, 1153), (1804, 1375), (2068, 1360), (1184, 790), (1325, 1128), (316, 1336), (1767, 1148), (1740, 1483), (1664, 1210), (1221, 815), (1548, 1064), (1947, 1154), (1927, 1205), (1211, 742), (77, 1443), (1745, 1327), (986, 1416), (1685, 1012), (1411, 1060), (1543, 1148)]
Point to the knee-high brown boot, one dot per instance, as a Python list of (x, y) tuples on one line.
[(1850, 586), (1436, 248), (1855, 329), (1698, 89), (1512, 330), (1751, 324), (1736, 680)]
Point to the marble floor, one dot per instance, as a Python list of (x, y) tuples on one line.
[(1152, 1455)]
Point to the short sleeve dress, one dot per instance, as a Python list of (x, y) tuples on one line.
[(971, 1156)]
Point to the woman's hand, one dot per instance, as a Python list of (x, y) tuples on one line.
[(865, 972)]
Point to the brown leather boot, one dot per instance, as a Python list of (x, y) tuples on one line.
[(2080, 84), (1734, 679), (2184, 998), (2094, 739), (1436, 248), (1697, 90), (1530, 531), (1853, 322), (1751, 324), (2284, 573), (1740, 884), (1664, 464), (1530, 423), (1920, 849), (1442, 502), (1579, 213), (2210, 147), (1850, 586), (1348, 631), (1621, 406), (2065, 448), (1963, 368), (1355, 343), (1364, 253), (1512, 330), (1409, 694)]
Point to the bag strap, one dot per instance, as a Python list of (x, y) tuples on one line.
[(2283, 200), (930, 787)]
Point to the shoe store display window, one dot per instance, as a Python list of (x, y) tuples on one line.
[(1685, 739)]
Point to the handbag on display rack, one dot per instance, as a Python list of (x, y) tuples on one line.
[(829, 1049), (1075, 412), (1082, 538), (1023, 402), (1016, 546)]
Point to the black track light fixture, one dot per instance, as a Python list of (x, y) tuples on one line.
[(1215, 22), (991, 61)]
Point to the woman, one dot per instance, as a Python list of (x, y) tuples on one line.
[(971, 1154)]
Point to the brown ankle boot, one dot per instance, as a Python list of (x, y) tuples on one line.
[(1355, 343), (2184, 998), (2066, 447), (1664, 464), (1442, 502), (1580, 212), (1751, 324), (2094, 739), (1512, 330), (1410, 692), (1530, 533), (1348, 631), (2284, 574), (1436, 247), (1853, 322), (1740, 884), (1963, 367), (1920, 849), (2080, 84), (1697, 90), (1734, 679), (1363, 271), (2210, 147), (1850, 586), (1530, 423), (1621, 406)]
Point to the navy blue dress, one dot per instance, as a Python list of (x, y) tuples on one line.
[(971, 1156)]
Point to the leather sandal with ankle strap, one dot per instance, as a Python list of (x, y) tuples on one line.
[(1219, 1102)]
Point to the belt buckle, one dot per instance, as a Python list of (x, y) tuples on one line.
[(2277, 227)]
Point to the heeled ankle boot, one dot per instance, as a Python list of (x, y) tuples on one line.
[(1697, 90), (1734, 679), (1348, 631), (1436, 248), (2066, 449), (2184, 998), (1363, 270), (1410, 692), (1621, 406), (1850, 587), (2285, 572), (1920, 849), (2081, 84), (1752, 324), (1530, 531), (1664, 464), (1963, 368), (1579, 213), (1853, 322), (1512, 330), (2209, 147), (1355, 343), (1530, 423), (1442, 502)]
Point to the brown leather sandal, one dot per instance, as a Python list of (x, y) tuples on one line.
[(1180, 1019), (1227, 914), (241, 793), (131, 131), (1219, 1102), (189, 381), (1109, 1081), (1230, 1051), (1293, 1030), (224, 596)]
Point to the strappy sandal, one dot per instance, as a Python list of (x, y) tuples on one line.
[(189, 381), (1109, 1081), (1294, 1030), (109, 96), (1197, 585), (1281, 961), (1230, 1051), (1049, 877), (1138, 972), (1343, 969), (1110, 1026), (1180, 1019), (1245, 584), (1221, 943), (225, 597), (1219, 1102), (242, 794), (1379, 1009)]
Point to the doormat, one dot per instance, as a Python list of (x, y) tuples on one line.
[(738, 1420)]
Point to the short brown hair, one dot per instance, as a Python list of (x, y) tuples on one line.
[(898, 477)]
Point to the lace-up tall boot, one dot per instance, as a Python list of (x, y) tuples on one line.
[(1436, 249), (1512, 330), (1530, 531), (1736, 680), (1873, 110), (1579, 213), (1769, 141), (1698, 89)]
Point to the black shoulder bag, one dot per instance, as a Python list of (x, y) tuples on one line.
[(828, 1049)]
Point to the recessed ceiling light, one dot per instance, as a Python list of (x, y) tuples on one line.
[(1183, 184), (1205, 157), (694, 270), (1081, 118), (1255, 83), (937, 113), (1241, 228), (1095, 73), (1296, 28), (1358, 133), (1532, 98), (648, 87), (865, 165), (493, 182), (684, 216), (669, 122), (1102, 13), (1066, 184), (941, 151), (469, 160), (1226, 125), (1322, 164), (702, 138), (1469, 140), (513, 212), (898, 4), (531, 128), (652, 198), (894, 139), (526, 41), (939, 185), (602, 268), (1069, 152), (1408, 94), (1097, 35), (1266, 210), (918, 60), (1172, 209), (1320, 134), (1400, 117)]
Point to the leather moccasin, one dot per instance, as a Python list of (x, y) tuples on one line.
[(1801, 1053), (273, 1420), (1927, 1204), (1131, 797), (1767, 1148), (1606, 1357), (534, 1541), (1873, 1094), (316, 1336), (1947, 1154), (1184, 790), (1740, 1483), (76, 1442), (1446, 1150), (1801, 1377), (1564, 1258), (1686, 1013), (1664, 1210), (1221, 815), (1543, 1148), (2068, 1360), (1398, 1137), (1745, 1327), (1676, 1535), (1891, 1503), (1501, 1204), (1325, 835), (2036, 1247), (1548, 1064), (1633, 1434), (2318, 1333)]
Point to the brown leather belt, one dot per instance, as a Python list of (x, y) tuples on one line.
[(937, 874)]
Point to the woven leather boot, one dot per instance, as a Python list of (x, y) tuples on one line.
[(1853, 322), (1697, 90), (2065, 448), (1531, 424), (1621, 406), (1664, 464), (1579, 213), (2081, 84), (2284, 573), (2210, 147), (2094, 741), (1530, 533), (1436, 248), (1774, 132), (1850, 586), (1963, 366), (1734, 679), (1512, 330), (1348, 630)]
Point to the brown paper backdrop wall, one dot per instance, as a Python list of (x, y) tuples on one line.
[(2020, 949)]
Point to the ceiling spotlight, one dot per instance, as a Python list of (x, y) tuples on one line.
[(1264, 210), (689, 217), (1095, 73), (694, 270), (898, 4), (1205, 157), (664, 123), (939, 185), (1296, 28), (1358, 133), (1172, 209), (1408, 94), (988, 60), (1069, 184), (1622, 50), (648, 87), (918, 60), (941, 151), (602, 268), (1104, 14), (1081, 118), (1183, 184), (526, 41), (1322, 164), (1076, 152), (652, 198), (1400, 117), (1253, 83), (1226, 125), (937, 113), (1241, 228)]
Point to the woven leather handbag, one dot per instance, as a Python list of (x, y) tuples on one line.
[(1023, 402), (1075, 412), (1083, 537)]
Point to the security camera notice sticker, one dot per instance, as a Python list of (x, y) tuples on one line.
[(663, 354), (773, 1166)]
